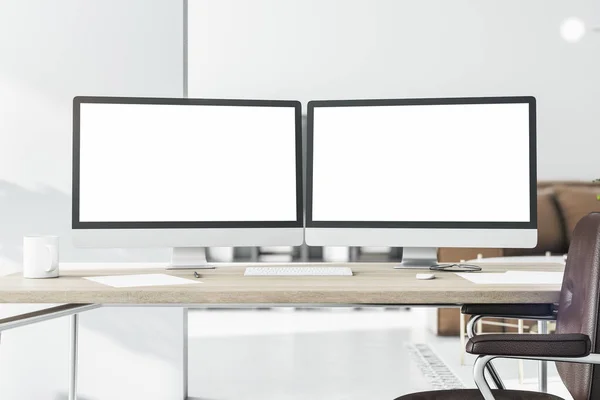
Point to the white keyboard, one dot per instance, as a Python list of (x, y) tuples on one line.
[(298, 271)]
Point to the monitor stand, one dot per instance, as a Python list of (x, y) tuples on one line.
[(418, 258), (189, 258)]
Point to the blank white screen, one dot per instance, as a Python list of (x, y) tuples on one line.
[(421, 163), (187, 163)]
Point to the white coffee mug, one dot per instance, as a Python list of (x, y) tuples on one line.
[(40, 256)]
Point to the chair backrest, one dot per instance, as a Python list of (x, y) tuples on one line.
[(579, 305)]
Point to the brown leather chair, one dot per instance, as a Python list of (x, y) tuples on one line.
[(575, 347)]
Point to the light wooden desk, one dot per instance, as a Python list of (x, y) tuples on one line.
[(377, 284), (226, 286)]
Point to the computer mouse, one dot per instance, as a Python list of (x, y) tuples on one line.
[(425, 276)]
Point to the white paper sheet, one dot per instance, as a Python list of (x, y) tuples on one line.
[(125, 281), (514, 278), (481, 278)]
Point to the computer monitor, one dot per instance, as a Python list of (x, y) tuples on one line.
[(186, 173), (422, 174)]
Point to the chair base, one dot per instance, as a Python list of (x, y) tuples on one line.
[(474, 394)]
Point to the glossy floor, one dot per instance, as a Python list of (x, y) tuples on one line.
[(324, 354), (285, 354)]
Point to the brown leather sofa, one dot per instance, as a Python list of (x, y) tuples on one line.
[(561, 204)]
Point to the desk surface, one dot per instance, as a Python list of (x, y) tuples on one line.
[(371, 284)]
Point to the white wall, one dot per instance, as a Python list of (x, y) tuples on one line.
[(327, 49), (51, 51)]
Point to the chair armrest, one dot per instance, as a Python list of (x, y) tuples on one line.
[(518, 311), (520, 345)]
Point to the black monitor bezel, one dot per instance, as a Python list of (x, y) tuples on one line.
[(531, 224), (77, 224)]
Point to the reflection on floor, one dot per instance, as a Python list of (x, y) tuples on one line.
[(284, 354), (324, 354)]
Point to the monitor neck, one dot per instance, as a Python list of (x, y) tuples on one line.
[(189, 258), (418, 257)]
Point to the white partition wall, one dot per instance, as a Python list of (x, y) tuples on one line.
[(51, 51), (124, 353), (335, 49)]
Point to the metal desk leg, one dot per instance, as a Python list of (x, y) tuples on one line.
[(47, 314), (185, 353), (73, 357), (520, 331), (462, 339), (543, 366)]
